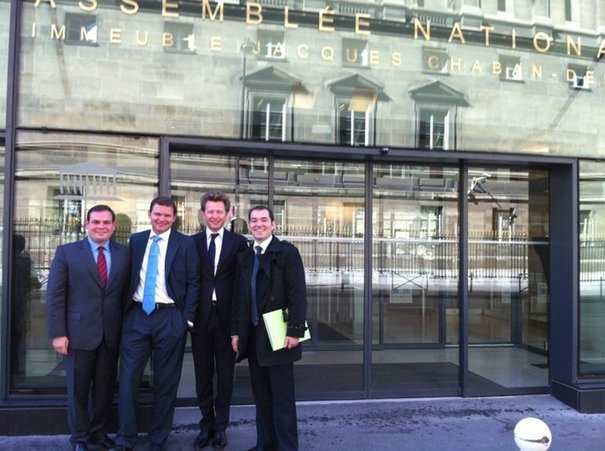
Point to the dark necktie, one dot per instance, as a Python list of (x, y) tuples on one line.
[(151, 276), (253, 304), (212, 250), (102, 266)]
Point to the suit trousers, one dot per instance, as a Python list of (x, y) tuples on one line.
[(91, 382), (160, 336), (274, 398), (212, 351)]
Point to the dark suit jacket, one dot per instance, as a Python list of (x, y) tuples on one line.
[(222, 281), (281, 284), (78, 306), (182, 270)]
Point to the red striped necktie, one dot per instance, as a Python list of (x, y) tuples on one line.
[(102, 266)]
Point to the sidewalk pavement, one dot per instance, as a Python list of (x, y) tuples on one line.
[(432, 424)]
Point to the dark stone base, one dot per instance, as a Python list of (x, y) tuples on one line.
[(34, 420), (589, 398)]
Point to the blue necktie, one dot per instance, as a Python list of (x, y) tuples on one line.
[(253, 304), (212, 250), (151, 276)]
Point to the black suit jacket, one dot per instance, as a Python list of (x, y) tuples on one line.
[(77, 304), (221, 281), (280, 284), (182, 270)]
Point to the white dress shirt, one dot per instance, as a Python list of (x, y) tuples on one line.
[(161, 294)]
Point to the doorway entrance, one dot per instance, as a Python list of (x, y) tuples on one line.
[(382, 246)]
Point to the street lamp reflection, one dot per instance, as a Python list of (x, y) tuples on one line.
[(246, 49)]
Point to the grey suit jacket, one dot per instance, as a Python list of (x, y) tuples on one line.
[(77, 304)]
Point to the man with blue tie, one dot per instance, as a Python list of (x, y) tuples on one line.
[(269, 276), (164, 295), (211, 339), (85, 295)]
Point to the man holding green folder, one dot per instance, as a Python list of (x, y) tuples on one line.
[(269, 276)]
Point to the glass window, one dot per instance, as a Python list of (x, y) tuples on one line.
[(542, 8), (353, 125), (506, 6), (572, 11), (433, 129), (415, 278), (271, 44), (268, 118), (321, 209), (592, 268), (578, 77), (81, 29), (435, 60), (355, 52), (138, 79), (508, 261), (179, 37), (4, 24), (2, 243), (510, 68), (58, 177)]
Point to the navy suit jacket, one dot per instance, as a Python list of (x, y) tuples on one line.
[(280, 284), (221, 281), (77, 304), (182, 270)]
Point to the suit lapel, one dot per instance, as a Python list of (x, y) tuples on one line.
[(116, 258), (225, 249), (138, 250), (89, 260), (173, 245), (205, 258)]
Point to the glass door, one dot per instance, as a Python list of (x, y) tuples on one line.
[(320, 207), (415, 308), (507, 279)]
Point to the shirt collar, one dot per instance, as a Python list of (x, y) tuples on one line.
[(164, 236), (94, 246), (210, 232), (264, 244)]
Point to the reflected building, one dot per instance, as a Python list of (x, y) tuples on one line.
[(437, 162)]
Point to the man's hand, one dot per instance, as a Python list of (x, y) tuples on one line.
[(291, 342), (235, 343), (61, 345)]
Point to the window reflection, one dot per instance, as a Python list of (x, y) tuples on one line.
[(58, 177), (4, 23), (592, 268)]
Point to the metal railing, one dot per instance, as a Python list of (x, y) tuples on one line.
[(437, 257)]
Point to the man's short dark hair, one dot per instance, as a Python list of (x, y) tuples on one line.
[(164, 201), (261, 207), (216, 196), (99, 208)]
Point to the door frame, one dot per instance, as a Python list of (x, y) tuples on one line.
[(563, 227)]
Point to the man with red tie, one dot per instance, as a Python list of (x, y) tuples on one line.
[(86, 290)]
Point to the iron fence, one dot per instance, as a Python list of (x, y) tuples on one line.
[(437, 257)]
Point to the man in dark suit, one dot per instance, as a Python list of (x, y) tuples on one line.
[(211, 340), (162, 302), (269, 278), (85, 294)]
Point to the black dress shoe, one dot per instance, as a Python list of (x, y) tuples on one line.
[(123, 448), (203, 439), (80, 446), (104, 442), (220, 440)]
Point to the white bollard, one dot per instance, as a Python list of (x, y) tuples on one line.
[(532, 434)]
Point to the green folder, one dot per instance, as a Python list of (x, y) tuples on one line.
[(276, 329)]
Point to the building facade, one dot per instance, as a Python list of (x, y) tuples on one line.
[(438, 163)]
